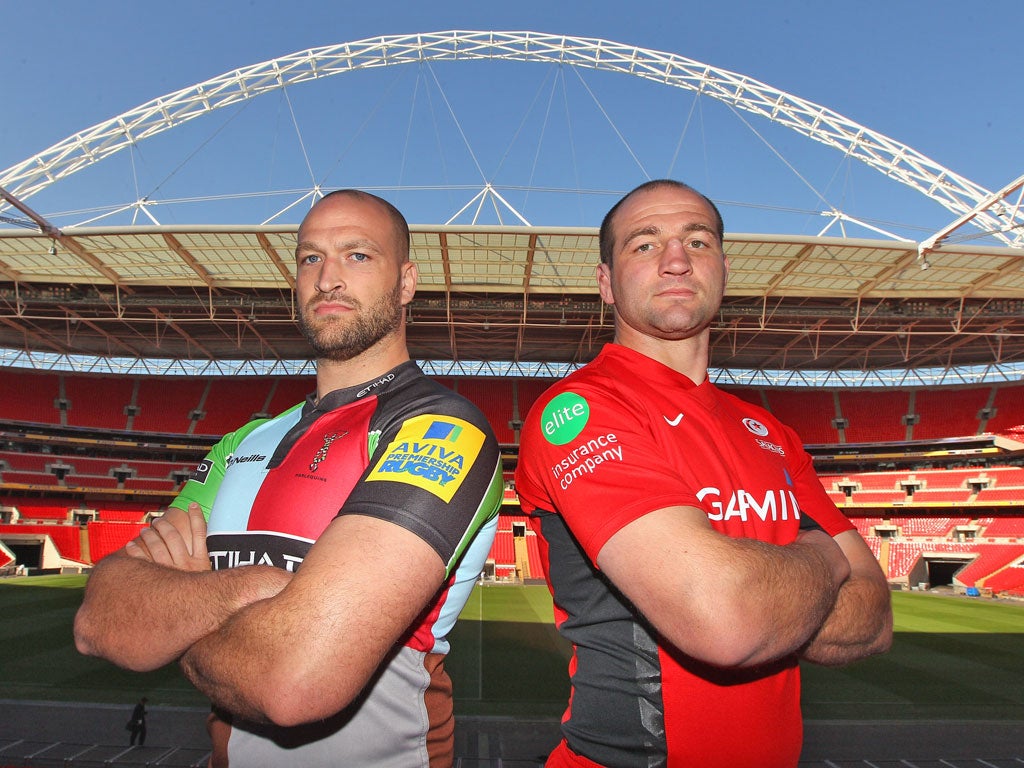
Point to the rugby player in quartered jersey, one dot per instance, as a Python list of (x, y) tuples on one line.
[(402, 448)]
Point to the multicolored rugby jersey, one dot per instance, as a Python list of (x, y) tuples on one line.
[(402, 448), (622, 437)]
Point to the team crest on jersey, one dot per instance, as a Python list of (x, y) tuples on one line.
[(756, 427), (431, 452), (321, 455)]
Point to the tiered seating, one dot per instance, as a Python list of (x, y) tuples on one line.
[(41, 510), (288, 392), (991, 557), (928, 526), (98, 401), (865, 525), (1003, 527), (1004, 476), (30, 478), (28, 462), (876, 497), (1009, 580), (838, 497), (105, 537), (880, 481), (998, 495), (86, 465), (874, 417), (948, 413), (1009, 405), (165, 404), (120, 515), (940, 497), (951, 479), (878, 488), (875, 544), (529, 391), (534, 557), (503, 550), (122, 511), (494, 398), (230, 403), (903, 555), (160, 470), (150, 484), (90, 481), (29, 396), (808, 411), (65, 537)]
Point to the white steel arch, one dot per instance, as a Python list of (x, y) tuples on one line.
[(888, 156)]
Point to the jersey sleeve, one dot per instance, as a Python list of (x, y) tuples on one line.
[(436, 471), (586, 455), (204, 482), (814, 501)]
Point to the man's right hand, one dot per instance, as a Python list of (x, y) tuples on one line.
[(176, 540), (829, 551)]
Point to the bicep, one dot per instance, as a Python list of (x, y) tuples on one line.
[(665, 563)]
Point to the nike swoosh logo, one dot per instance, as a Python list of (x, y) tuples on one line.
[(673, 422)]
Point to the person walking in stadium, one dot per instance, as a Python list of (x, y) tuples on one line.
[(137, 723), (693, 556), (384, 487)]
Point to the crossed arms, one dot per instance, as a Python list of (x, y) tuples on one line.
[(260, 642), (741, 602)]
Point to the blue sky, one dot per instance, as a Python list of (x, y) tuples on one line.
[(942, 77)]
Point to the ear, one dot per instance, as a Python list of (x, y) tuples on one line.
[(604, 283), (410, 277)]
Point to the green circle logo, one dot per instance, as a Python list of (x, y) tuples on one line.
[(564, 418)]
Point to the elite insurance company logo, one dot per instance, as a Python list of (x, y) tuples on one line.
[(431, 452), (564, 418)]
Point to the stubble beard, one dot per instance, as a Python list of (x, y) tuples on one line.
[(340, 338)]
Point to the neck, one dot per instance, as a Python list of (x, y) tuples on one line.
[(688, 356), (332, 375)]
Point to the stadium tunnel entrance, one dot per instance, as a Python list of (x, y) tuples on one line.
[(938, 570)]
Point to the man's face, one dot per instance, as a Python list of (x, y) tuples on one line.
[(351, 282), (668, 270)]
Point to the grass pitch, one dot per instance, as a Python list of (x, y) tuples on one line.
[(952, 658)]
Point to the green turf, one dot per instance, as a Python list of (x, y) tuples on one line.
[(952, 658)]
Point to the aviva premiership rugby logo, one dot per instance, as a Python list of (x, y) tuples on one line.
[(431, 452)]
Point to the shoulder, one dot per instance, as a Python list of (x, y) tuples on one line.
[(593, 381), (235, 438), (422, 408)]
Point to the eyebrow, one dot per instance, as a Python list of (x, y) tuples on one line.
[(359, 244), (655, 230)]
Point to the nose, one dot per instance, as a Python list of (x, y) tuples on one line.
[(329, 278), (675, 259)]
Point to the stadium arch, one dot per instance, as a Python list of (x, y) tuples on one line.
[(969, 201)]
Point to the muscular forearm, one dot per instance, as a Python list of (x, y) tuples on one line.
[(141, 615), (776, 598), (861, 622), (725, 601), (860, 625), (230, 665), (307, 652)]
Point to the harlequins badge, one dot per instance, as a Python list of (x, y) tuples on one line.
[(321, 455)]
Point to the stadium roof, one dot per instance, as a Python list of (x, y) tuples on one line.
[(500, 293)]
